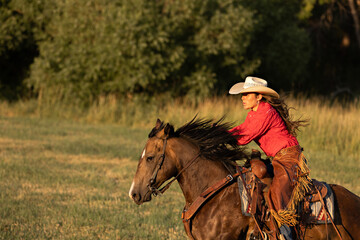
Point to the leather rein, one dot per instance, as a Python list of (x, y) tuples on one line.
[(188, 213)]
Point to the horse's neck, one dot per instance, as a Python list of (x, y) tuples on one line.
[(200, 175)]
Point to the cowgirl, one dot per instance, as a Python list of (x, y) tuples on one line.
[(270, 126)]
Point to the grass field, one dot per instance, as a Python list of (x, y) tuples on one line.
[(62, 179)]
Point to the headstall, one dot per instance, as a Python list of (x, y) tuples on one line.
[(155, 191)]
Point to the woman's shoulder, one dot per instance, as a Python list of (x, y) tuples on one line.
[(265, 107), (265, 110)]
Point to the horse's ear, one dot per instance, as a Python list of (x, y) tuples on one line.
[(168, 130), (158, 124)]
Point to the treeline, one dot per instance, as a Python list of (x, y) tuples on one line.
[(84, 49)]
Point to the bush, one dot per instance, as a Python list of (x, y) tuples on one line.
[(88, 49)]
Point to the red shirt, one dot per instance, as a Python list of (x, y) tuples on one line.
[(266, 128)]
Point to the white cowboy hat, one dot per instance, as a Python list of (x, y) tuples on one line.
[(253, 85)]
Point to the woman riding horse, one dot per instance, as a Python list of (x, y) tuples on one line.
[(270, 126), (196, 155)]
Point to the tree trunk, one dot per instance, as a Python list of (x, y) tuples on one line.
[(356, 20)]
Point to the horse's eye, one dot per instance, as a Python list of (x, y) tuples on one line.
[(149, 158)]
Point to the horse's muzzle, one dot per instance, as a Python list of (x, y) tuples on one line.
[(138, 198)]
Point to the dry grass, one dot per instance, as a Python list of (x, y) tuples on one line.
[(69, 179), (52, 187)]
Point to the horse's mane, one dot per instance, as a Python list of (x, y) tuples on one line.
[(213, 138)]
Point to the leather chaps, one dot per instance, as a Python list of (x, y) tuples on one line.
[(290, 183)]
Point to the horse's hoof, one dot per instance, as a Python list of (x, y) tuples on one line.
[(257, 236)]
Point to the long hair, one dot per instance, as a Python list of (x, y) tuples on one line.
[(282, 108)]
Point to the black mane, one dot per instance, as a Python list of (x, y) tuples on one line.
[(213, 139)]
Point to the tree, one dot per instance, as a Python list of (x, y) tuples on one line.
[(282, 45), (86, 49), (16, 51), (131, 47), (333, 28)]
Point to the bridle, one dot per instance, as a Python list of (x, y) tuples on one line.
[(152, 180), (198, 201), (153, 190)]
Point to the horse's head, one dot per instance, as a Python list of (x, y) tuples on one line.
[(155, 165)]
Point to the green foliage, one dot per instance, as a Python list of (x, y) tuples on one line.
[(13, 35), (288, 54), (23, 27), (283, 47), (12, 30), (97, 48), (308, 6), (83, 50)]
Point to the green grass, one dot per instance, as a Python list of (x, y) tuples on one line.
[(66, 174), (61, 180)]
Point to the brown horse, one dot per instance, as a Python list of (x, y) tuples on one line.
[(197, 155)]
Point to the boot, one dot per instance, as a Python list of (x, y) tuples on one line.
[(286, 232)]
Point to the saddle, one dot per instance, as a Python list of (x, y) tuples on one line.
[(263, 170), (254, 180), (257, 177)]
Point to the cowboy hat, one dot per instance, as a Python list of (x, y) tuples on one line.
[(253, 85)]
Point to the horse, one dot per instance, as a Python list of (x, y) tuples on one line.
[(198, 156)]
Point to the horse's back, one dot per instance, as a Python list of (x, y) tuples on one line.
[(221, 217)]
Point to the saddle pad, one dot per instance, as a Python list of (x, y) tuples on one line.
[(317, 210)]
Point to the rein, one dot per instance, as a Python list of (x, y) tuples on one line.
[(189, 212), (152, 181)]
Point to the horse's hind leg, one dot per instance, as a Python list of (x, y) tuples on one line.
[(348, 206), (323, 232), (347, 215)]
